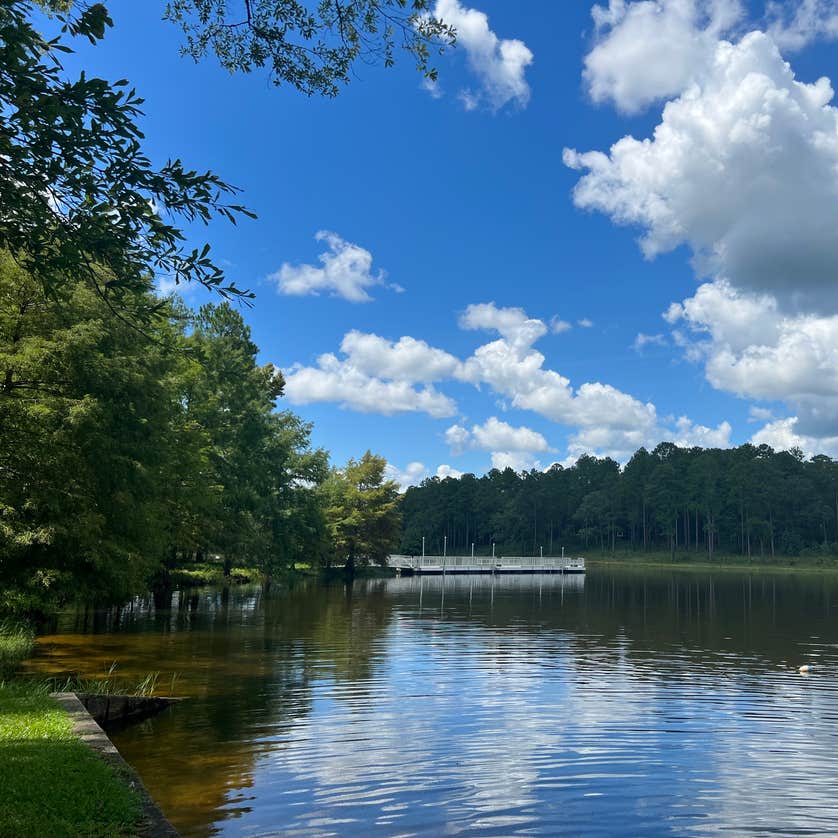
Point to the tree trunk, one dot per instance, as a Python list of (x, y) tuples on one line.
[(742, 528), (710, 536), (696, 530)]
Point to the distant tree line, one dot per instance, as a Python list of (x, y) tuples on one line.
[(124, 451), (751, 501)]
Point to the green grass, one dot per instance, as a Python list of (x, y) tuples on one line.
[(16, 644), (699, 561), (110, 683), (51, 783)]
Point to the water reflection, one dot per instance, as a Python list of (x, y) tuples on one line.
[(634, 703)]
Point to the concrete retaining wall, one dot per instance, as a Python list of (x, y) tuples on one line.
[(115, 709), (154, 823)]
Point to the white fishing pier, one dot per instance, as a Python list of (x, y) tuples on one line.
[(485, 564)]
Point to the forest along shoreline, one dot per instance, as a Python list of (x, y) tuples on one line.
[(748, 503)]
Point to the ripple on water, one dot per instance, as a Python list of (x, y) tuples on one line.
[(525, 705)]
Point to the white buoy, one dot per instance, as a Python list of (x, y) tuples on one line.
[(805, 669)]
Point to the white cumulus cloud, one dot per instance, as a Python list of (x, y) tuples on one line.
[(743, 168), (377, 375), (783, 435), (345, 271), (689, 435), (494, 435), (512, 324), (499, 64), (652, 49), (750, 348), (458, 438), (445, 470), (516, 460), (414, 473), (335, 380), (406, 359), (606, 420)]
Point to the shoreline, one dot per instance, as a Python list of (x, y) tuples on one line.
[(805, 566), (62, 774)]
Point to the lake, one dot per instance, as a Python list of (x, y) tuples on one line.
[(625, 702)]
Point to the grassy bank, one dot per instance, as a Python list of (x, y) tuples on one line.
[(16, 644), (51, 783), (699, 561)]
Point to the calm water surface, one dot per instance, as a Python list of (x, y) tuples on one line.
[(622, 703)]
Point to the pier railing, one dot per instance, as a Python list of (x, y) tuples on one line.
[(487, 564)]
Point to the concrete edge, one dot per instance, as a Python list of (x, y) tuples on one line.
[(154, 823), (123, 709)]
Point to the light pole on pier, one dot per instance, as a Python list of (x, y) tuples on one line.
[(423, 546), (445, 547), (542, 552), (472, 549), (493, 549)]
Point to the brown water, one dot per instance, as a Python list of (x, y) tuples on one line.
[(624, 703)]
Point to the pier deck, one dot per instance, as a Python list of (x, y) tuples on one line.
[(486, 564)]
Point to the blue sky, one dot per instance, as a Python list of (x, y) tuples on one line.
[(464, 197)]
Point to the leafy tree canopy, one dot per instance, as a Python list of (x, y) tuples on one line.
[(310, 46), (79, 198), (119, 453), (362, 509)]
